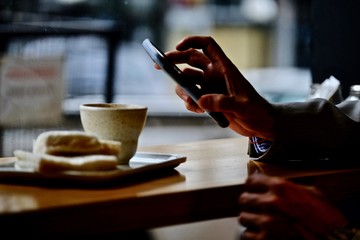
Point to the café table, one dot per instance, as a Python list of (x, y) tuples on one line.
[(206, 186)]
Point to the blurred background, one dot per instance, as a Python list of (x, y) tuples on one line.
[(100, 58), (57, 54)]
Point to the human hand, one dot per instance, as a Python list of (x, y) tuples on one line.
[(226, 88), (274, 208)]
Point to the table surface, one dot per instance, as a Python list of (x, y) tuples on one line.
[(206, 186)]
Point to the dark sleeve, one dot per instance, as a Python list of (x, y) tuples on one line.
[(335, 41), (315, 129)]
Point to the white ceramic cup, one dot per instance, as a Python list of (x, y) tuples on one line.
[(113, 121)]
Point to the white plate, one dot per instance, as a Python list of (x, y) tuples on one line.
[(141, 164)]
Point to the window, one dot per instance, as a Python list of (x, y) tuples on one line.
[(100, 42)]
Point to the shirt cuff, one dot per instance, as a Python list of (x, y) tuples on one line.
[(259, 146)]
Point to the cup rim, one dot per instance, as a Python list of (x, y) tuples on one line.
[(112, 106)]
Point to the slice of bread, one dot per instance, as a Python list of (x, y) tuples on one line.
[(74, 143), (66, 143), (110, 147), (49, 163), (45, 163), (55, 151)]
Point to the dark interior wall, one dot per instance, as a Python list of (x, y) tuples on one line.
[(336, 41)]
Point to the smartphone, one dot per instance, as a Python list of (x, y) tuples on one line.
[(176, 74)]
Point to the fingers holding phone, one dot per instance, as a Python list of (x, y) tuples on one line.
[(193, 82)]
